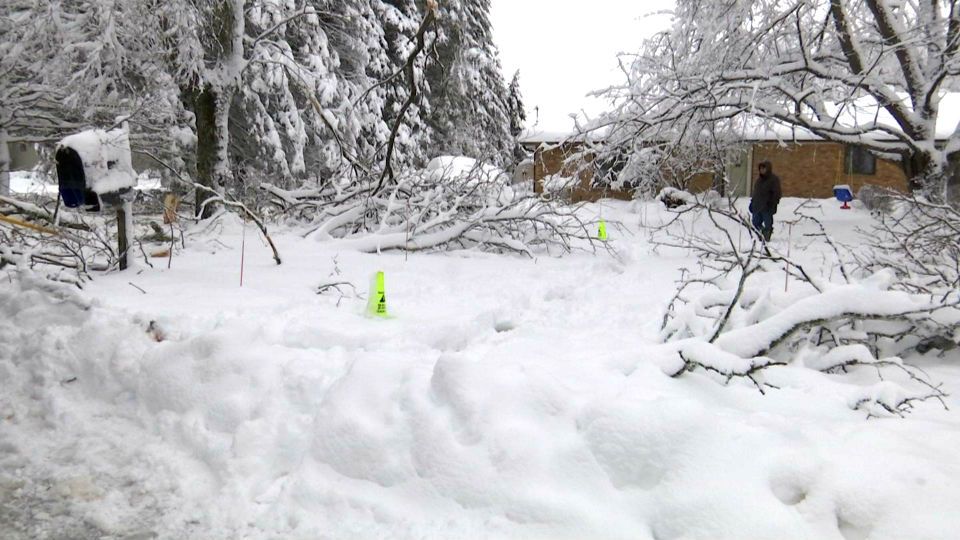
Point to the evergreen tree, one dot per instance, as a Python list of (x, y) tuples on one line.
[(517, 116), (400, 20), (515, 105), (279, 90), (469, 111)]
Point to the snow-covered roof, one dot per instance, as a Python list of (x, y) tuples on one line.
[(107, 164), (464, 168), (536, 136)]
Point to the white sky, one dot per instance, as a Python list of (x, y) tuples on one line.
[(566, 49)]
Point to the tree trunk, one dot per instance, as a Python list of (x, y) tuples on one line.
[(922, 176), (5, 161), (720, 182), (915, 166), (951, 180), (211, 102), (212, 162)]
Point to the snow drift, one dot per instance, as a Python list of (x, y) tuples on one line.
[(281, 423)]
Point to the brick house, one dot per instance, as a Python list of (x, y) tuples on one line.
[(807, 168), (557, 154), (810, 169)]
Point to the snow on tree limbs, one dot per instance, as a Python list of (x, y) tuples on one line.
[(875, 319), (826, 67)]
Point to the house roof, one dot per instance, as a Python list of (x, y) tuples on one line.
[(536, 136)]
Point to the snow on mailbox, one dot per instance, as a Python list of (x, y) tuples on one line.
[(94, 166)]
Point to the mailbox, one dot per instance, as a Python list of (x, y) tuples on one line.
[(94, 167)]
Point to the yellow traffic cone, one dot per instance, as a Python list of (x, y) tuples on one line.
[(377, 304)]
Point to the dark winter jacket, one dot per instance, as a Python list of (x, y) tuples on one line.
[(766, 191)]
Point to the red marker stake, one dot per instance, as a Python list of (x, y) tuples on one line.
[(243, 247)]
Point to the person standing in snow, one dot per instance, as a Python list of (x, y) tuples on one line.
[(764, 200)]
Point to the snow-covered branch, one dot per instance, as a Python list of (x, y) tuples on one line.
[(863, 73), (725, 320), (454, 202)]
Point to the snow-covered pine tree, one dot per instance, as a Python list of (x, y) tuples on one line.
[(290, 90), (515, 105), (518, 116), (398, 22), (469, 112), (277, 88), (283, 90)]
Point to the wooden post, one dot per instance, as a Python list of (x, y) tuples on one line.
[(170, 203), (243, 246), (122, 244), (5, 162)]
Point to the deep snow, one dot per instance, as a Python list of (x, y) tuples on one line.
[(505, 397)]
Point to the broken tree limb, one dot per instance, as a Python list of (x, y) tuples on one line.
[(21, 223), (217, 197), (33, 211), (428, 19)]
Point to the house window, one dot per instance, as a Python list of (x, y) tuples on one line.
[(859, 160)]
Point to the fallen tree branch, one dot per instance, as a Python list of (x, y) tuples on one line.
[(35, 212), (222, 199)]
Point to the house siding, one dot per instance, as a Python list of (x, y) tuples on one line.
[(549, 160), (806, 170), (812, 169)]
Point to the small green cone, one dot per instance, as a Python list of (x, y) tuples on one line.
[(377, 304), (602, 231)]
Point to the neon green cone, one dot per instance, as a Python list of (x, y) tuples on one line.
[(377, 304)]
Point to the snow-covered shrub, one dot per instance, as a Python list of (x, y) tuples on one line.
[(878, 200), (674, 198), (920, 244)]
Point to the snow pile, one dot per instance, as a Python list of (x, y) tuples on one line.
[(106, 159), (537, 409), (672, 197), (31, 183)]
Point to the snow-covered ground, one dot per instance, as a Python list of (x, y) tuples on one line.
[(505, 397), (32, 183), (37, 183)]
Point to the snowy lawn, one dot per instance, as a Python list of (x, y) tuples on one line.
[(505, 397)]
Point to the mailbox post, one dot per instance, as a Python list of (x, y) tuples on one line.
[(94, 169)]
